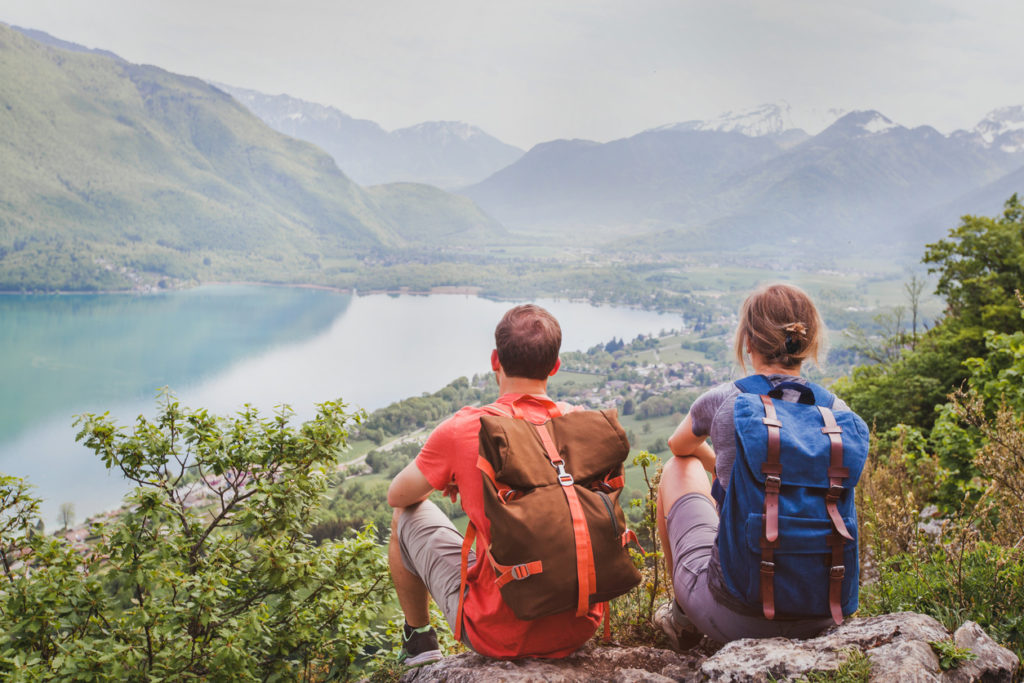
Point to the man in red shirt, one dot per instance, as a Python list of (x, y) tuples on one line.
[(425, 549)]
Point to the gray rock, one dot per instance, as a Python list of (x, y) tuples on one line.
[(897, 646), (779, 658), (591, 663), (908, 661), (994, 662)]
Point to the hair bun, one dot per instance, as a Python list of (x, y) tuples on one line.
[(795, 333)]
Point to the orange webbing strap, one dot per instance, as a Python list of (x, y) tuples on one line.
[(517, 572), (836, 472), (545, 402), (505, 492), (835, 578), (586, 573), (772, 469), (629, 536), (607, 635), (467, 543)]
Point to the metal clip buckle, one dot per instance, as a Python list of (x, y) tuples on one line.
[(837, 572), (772, 481), (520, 572), (767, 567), (834, 491), (564, 478)]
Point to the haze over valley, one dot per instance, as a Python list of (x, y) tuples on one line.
[(119, 176)]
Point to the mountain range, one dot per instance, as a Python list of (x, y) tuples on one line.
[(861, 182), (103, 162), (442, 153), (812, 179), (107, 166)]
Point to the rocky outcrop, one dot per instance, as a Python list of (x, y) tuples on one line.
[(591, 663), (897, 647)]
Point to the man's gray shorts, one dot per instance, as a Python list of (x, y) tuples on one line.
[(692, 525), (432, 550)]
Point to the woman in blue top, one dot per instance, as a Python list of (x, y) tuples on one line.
[(779, 328)]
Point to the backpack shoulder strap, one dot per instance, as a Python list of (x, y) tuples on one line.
[(513, 410), (759, 384), (753, 384), (822, 396), (467, 544)]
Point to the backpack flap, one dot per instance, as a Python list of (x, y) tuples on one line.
[(591, 442), (805, 450)]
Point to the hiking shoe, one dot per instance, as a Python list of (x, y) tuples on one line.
[(419, 646), (670, 619)]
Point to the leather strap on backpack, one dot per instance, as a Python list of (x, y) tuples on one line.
[(836, 472), (836, 475), (586, 573), (772, 469), (836, 573)]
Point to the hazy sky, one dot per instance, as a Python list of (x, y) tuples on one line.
[(528, 71)]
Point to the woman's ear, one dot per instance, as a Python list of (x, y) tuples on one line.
[(558, 364), (495, 364)]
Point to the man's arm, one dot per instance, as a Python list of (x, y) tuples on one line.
[(408, 487)]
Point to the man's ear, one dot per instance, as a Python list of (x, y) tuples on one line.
[(558, 364), (495, 364)]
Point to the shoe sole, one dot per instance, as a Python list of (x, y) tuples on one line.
[(423, 658)]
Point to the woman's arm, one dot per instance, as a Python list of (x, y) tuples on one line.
[(684, 442)]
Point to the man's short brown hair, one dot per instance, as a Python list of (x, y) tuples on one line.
[(528, 339)]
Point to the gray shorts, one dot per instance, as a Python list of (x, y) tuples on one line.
[(432, 550), (692, 528)]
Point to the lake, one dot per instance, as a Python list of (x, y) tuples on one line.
[(219, 347)]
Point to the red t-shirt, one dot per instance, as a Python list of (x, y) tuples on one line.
[(450, 453)]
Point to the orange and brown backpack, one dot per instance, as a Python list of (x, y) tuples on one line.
[(551, 495)]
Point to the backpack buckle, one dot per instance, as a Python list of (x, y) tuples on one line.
[(837, 572), (564, 478), (834, 492), (773, 482), (768, 567), (520, 572)]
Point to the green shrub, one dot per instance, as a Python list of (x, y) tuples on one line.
[(230, 589), (984, 584)]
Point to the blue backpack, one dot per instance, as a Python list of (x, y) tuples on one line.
[(787, 539)]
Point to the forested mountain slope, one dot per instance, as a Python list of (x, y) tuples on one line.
[(107, 165)]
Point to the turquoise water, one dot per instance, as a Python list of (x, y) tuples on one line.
[(219, 347)]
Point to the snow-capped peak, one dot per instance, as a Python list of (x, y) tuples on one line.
[(443, 130), (1004, 128), (767, 119), (877, 123)]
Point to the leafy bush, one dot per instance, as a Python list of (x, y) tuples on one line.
[(631, 613), (207, 572)]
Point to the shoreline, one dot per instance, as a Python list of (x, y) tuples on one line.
[(439, 290), (473, 290)]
